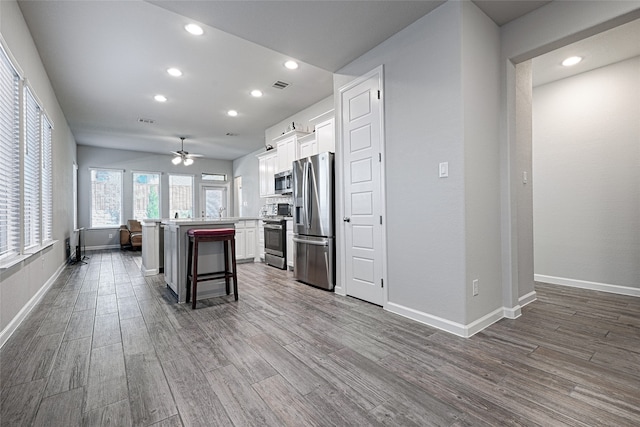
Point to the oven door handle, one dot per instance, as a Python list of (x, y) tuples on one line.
[(310, 242), (273, 227)]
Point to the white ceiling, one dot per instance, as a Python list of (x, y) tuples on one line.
[(107, 59), (608, 47)]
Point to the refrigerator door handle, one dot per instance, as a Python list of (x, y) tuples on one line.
[(311, 242), (310, 185), (304, 195)]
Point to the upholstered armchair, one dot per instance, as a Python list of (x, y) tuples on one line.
[(131, 234)]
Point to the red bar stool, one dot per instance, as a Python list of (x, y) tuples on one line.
[(197, 236)]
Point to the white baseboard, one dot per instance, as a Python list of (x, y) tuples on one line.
[(528, 298), (584, 284), (459, 329), (455, 328), (515, 312), (150, 271), (22, 314), (100, 248)]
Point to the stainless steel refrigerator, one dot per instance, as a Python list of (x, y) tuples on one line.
[(313, 220)]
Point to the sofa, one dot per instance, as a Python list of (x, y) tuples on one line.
[(131, 235)]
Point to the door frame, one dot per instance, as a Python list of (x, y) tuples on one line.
[(341, 287)]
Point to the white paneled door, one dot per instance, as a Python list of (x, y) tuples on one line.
[(361, 108)]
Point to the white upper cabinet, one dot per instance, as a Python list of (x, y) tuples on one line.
[(307, 146), (287, 145), (325, 136), (267, 163)]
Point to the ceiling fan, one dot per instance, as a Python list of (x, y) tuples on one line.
[(183, 156)]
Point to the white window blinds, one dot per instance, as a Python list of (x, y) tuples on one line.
[(9, 158), (47, 182), (31, 183)]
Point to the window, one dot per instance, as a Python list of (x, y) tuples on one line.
[(106, 198), (9, 158), (213, 176), (181, 196), (146, 195), (31, 180), (47, 182)]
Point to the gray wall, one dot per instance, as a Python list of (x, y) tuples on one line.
[(481, 106), (586, 144), (554, 25), (429, 230), (136, 161), (19, 284), (247, 167)]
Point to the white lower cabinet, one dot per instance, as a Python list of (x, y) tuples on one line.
[(246, 240), (290, 244)]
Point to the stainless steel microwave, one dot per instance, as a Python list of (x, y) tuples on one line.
[(283, 182)]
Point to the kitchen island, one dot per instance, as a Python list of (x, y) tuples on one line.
[(211, 255), (152, 247)]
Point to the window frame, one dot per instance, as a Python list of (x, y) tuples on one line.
[(91, 205), (46, 177), (31, 171), (133, 192), (11, 164), (19, 219), (170, 175)]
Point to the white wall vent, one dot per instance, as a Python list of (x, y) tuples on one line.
[(280, 84)]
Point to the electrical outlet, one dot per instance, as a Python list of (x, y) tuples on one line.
[(475, 287), (111, 235)]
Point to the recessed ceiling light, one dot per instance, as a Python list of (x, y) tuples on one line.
[(573, 60), (232, 113), (174, 72), (160, 98), (194, 29), (292, 65), (256, 93)]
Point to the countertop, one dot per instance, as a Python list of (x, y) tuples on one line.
[(203, 221)]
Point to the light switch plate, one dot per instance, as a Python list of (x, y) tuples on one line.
[(444, 169)]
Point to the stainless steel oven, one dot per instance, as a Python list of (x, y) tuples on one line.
[(275, 243)]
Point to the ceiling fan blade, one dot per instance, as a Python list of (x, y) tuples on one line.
[(175, 153), (194, 155)]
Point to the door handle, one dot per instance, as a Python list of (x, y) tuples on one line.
[(310, 242), (346, 219)]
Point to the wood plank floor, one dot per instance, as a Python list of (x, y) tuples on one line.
[(107, 346)]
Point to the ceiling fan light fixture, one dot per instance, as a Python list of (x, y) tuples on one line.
[(176, 160), (188, 161)]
